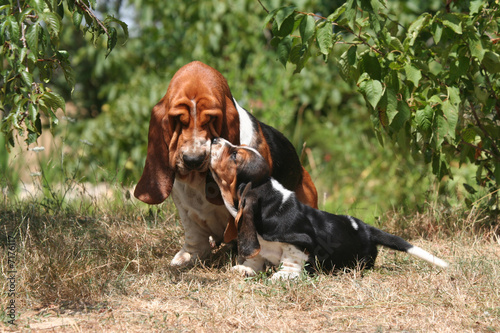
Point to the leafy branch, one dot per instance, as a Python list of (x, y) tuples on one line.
[(29, 38), (432, 86)]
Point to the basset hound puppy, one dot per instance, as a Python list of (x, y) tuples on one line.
[(198, 107), (272, 225)]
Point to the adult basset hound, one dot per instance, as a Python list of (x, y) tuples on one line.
[(198, 107), (273, 225)]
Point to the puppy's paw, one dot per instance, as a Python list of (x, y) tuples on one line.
[(243, 270), (182, 258), (285, 275)]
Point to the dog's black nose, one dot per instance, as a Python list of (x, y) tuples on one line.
[(215, 141), (193, 161)]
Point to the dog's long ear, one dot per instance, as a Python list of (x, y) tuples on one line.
[(231, 231), (248, 243), (158, 176)]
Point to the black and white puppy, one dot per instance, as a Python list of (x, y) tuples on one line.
[(272, 225)]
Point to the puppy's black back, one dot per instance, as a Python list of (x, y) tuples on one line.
[(332, 241)]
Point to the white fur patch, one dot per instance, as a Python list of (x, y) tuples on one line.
[(243, 270), (290, 258), (422, 254), (284, 192), (246, 125), (354, 224), (252, 150), (230, 208), (200, 219)]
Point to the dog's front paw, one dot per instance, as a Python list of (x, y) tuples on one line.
[(285, 275), (182, 258), (243, 270)]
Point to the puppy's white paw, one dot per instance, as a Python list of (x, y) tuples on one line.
[(182, 258), (285, 275), (243, 270)]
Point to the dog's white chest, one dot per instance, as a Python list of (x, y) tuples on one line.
[(193, 207)]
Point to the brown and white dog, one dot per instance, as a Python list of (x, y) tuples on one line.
[(272, 225), (198, 107)]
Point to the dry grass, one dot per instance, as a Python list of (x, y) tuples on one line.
[(106, 269)]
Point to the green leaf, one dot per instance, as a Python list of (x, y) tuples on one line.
[(469, 189), (32, 37), (392, 104), (307, 28), (284, 48), (496, 172), (440, 166), (38, 5), (396, 44), (372, 90), (475, 6), (403, 115), (324, 37), (285, 29), (123, 25), (77, 18), (351, 12), (346, 61), (437, 32), (27, 78), (475, 46), (454, 96), (14, 28), (283, 13), (451, 116), (336, 14), (452, 21), (32, 112), (371, 65), (469, 135), (54, 101), (415, 28), (112, 39), (53, 22), (413, 74), (69, 74), (491, 62), (423, 117), (440, 128)]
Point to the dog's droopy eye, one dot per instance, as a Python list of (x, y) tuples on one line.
[(233, 155)]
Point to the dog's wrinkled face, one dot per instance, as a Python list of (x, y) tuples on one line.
[(195, 117), (197, 107), (233, 166)]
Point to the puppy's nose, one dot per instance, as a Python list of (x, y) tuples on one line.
[(215, 141), (193, 161)]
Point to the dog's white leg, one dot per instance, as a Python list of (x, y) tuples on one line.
[(292, 261), (251, 266), (196, 237)]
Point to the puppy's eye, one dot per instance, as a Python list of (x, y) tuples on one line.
[(233, 155)]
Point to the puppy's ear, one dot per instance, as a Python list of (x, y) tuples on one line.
[(242, 192), (248, 243), (231, 231)]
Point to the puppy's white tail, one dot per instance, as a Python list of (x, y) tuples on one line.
[(422, 254), (398, 243)]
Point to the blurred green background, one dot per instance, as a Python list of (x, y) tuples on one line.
[(104, 135)]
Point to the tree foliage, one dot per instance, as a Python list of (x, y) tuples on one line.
[(432, 85), (30, 55), (324, 116)]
